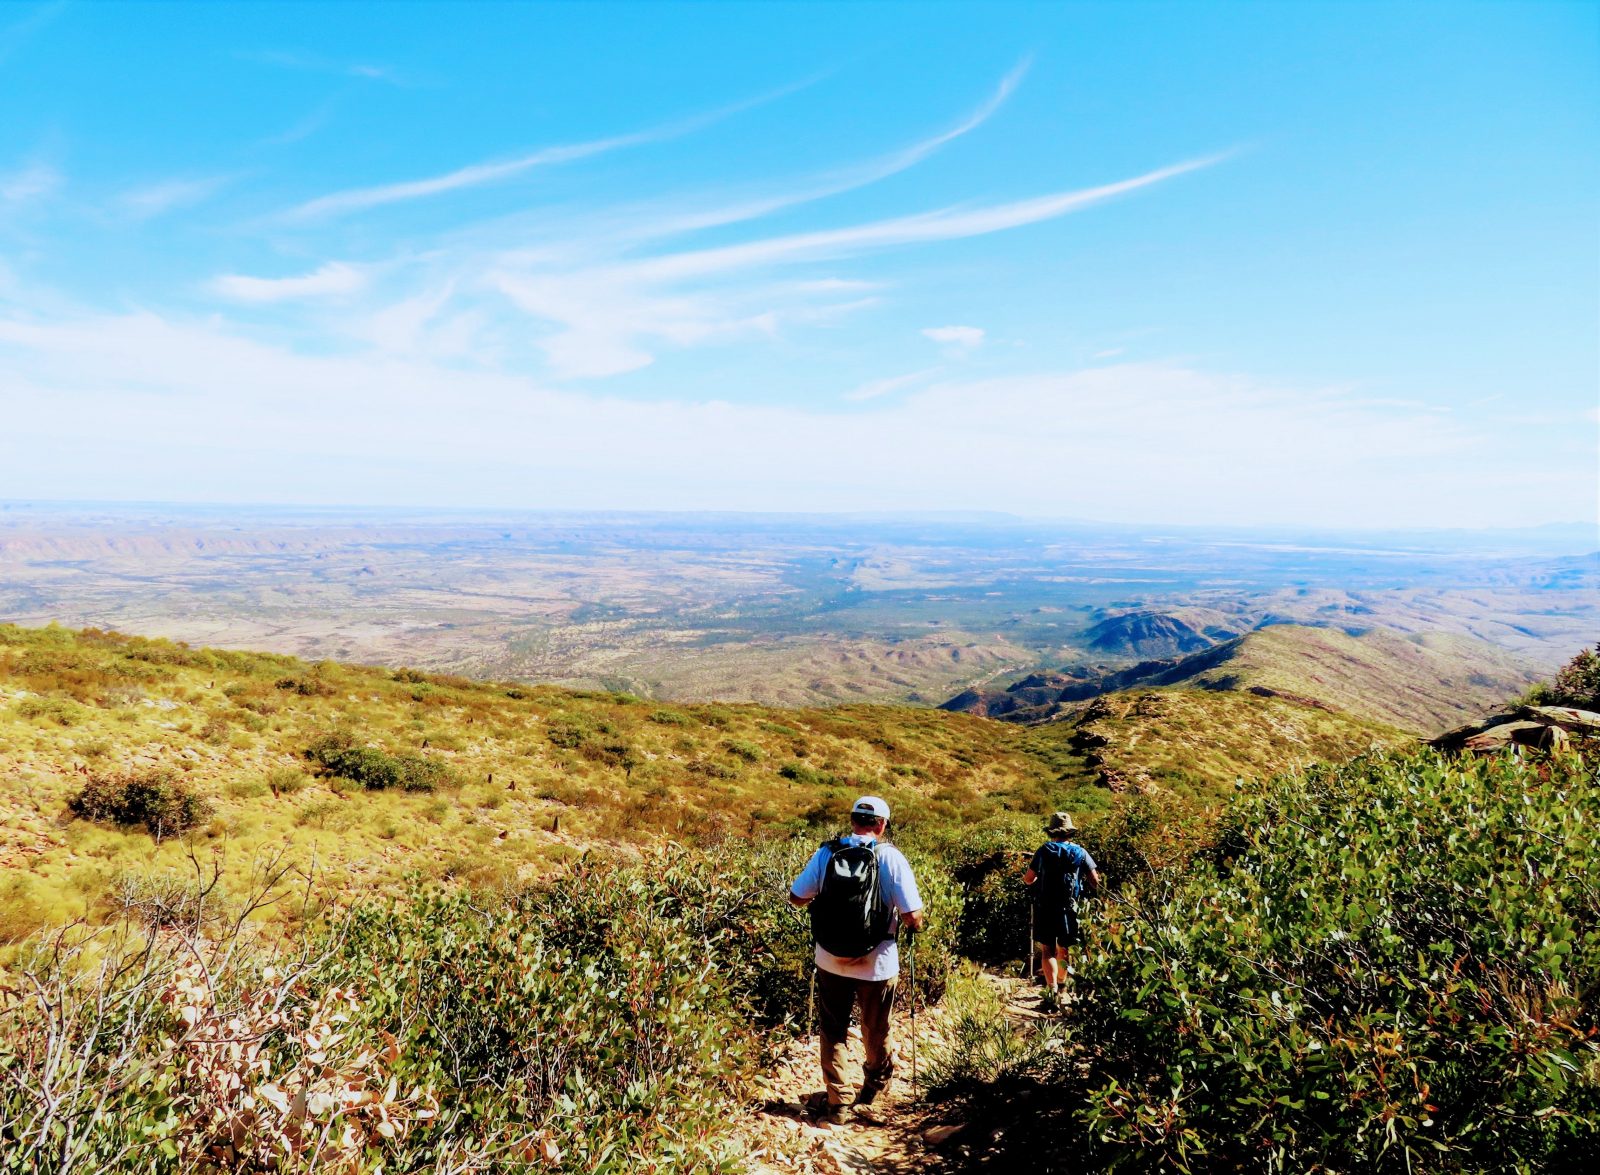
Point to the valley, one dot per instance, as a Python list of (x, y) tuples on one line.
[(780, 610)]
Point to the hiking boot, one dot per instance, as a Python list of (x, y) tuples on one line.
[(870, 1089), (819, 1110)]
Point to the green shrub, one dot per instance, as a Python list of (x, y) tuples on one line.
[(162, 802), (377, 770), (808, 776), (987, 862), (1388, 965), (245, 789), (984, 1051), (568, 734), (596, 1015), (1577, 684), (93, 748), (286, 781), (23, 910), (307, 686), (61, 711), (744, 749)]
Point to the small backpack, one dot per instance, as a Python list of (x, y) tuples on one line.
[(848, 915), (1058, 875)]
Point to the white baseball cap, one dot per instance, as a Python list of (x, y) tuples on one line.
[(871, 806)]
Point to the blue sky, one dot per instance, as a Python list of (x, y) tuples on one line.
[(1187, 263)]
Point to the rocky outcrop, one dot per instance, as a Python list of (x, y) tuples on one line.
[(1262, 691), (1531, 728), (1039, 697)]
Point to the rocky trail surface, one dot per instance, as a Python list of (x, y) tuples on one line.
[(901, 1132)]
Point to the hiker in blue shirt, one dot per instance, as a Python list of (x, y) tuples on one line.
[(1055, 879), (861, 891)]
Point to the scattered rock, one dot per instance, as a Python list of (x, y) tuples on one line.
[(939, 1135), (1538, 728)]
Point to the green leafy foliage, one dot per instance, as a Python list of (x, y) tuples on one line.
[(1576, 684), (161, 802), (607, 1019), (340, 756), (1388, 965)]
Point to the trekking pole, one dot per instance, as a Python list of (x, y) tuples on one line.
[(811, 1005), (1028, 948), (915, 1090)]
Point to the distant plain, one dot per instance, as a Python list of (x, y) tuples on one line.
[(783, 610)]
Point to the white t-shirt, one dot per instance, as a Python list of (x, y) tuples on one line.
[(899, 889)]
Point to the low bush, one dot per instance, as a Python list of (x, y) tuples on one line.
[(286, 781), (61, 711), (1576, 684), (1388, 965), (808, 776), (307, 686), (984, 1051), (377, 770), (744, 749), (161, 802)]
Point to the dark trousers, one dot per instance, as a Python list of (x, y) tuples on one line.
[(836, 996)]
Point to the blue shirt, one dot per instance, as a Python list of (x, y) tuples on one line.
[(1075, 864), (899, 889)]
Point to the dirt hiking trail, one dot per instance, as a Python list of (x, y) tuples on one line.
[(899, 1133)]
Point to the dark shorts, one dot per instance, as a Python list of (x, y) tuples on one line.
[(1057, 928)]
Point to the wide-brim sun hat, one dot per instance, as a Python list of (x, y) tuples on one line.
[(1061, 822)]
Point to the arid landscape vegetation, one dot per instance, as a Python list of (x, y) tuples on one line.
[(784, 611), (399, 880), (490, 493)]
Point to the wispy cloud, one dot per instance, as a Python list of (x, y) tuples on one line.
[(944, 225), (962, 338), (608, 312), (152, 200), (303, 128), (312, 63), (839, 182), (878, 388), (332, 279), (356, 199), (29, 183), (493, 171)]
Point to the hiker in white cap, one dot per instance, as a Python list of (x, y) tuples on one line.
[(860, 892)]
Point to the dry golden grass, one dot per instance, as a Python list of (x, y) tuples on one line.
[(543, 773), (534, 775)]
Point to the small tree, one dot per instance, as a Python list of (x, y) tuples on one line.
[(1577, 684)]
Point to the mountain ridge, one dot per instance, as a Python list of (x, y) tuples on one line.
[(1423, 683)]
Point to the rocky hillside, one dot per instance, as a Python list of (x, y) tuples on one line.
[(1422, 683), (376, 774), (1195, 744), (1147, 634)]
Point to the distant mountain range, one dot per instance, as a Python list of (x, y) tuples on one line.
[(1420, 683)]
